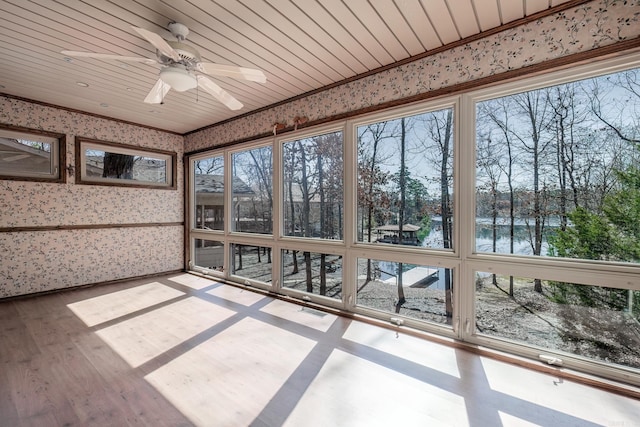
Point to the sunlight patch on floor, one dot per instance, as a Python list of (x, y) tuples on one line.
[(299, 314), (510, 420), (236, 295), (382, 396), (192, 281), (144, 337), (97, 310), (550, 395), (230, 378), (416, 350)]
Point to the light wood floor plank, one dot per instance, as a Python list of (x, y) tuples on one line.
[(184, 351)]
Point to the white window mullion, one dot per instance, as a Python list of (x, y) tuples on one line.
[(278, 215), (349, 262), (465, 216), (228, 211)]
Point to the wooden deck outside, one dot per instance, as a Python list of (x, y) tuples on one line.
[(182, 350)]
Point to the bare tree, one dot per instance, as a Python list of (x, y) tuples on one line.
[(439, 130), (617, 113), (488, 159), (290, 162), (371, 178), (534, 109)]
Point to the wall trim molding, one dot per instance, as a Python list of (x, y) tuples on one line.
[(88, 226)]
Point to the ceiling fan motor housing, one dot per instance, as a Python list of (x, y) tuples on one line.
[(189, 56)]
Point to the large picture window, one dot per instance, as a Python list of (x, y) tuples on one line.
[(594, 322), (28, 154), (416, 291), (558, 171)]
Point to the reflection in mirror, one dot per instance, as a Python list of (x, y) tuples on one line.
[(107, 164)]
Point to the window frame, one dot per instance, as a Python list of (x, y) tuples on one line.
[(410, 110), (83, 144), (279, 180), (537, 82), (255, 145), (57, 157), (583, 271)]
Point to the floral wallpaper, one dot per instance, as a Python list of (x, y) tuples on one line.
[(37, 261), (591, 25)]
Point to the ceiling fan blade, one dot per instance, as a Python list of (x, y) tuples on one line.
[(157, 92), (108, 56), (158, 42), (232, 71), (219, 93)]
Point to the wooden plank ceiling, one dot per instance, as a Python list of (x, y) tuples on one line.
[(301, 45)]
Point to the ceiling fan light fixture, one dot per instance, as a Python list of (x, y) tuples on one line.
[(178, 78)]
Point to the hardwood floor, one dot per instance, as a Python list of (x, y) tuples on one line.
[(182, 350)]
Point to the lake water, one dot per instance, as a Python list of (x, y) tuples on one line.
[(484, 237)]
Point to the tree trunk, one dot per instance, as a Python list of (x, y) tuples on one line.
[(118, 166), (292, 207), (308, 272), (323, 274)]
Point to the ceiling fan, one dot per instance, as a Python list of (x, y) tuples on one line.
[(181, 67)]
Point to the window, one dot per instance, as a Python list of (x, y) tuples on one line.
[(28, 154), (312, 273), (105, 163), (208, 182), (209, 254), (558, 171), (593, 322), (417, 291), (557, 208), (405, 180), (251, 263), (252, 188), (312, 186)]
